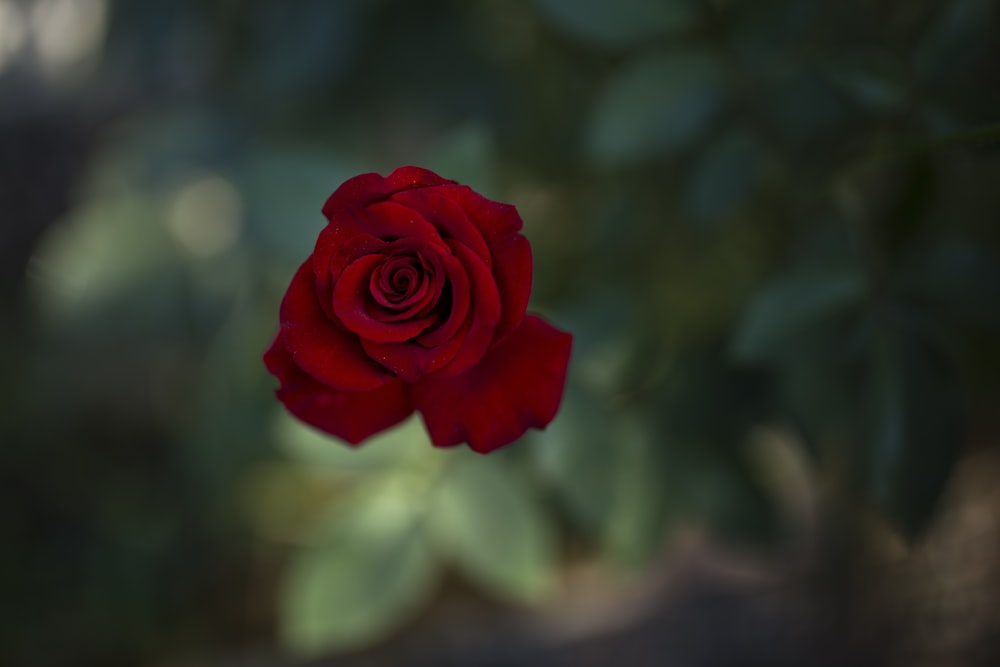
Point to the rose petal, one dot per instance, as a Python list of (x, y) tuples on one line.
[(352, 416), (485, 311), (321, 348), (512, 268), (411, 361), (369, 188), (351, 301), (437, 347), (500, 225), (423, 300), (447, 217), (492, 218), (518, 385), (398, 282), (409, 177), (348, 252), (460, 293), (354, 248), (386, 221), (429, 254), (460, 341)]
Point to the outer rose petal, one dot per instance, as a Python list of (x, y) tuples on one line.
[(381, 220), (321, 348), (500, 226), (492, 218), (352, 416), (448, 217), (518, 385), (410, 362), (486, 305), (512, 268), (368, 188)]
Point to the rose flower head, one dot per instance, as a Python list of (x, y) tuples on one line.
[(414, 298)]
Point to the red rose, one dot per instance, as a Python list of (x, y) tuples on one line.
[(414, 299)]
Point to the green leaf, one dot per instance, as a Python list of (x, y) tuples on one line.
[(466, 155), (788, 308), (723, 176), (370, 571), (152, 150), (399, 446), (601, 463), (871, 88), (604, 344), (655, 106), (960, 279), (488, 520), (620, 23), (958, 32), (802, 105), (633, 528), (284, 192), (578, 455), (283, 71), (916, 423), (888, 414), (108, 246)]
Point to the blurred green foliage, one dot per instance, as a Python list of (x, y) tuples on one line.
[(749, 214)]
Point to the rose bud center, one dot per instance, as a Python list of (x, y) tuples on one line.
[(399, 282)]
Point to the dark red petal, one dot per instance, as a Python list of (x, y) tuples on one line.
[(389, 221), (421, 304), (485, 311), (386, 221), (352, 416), (429, 255), (417, 304), (358, 191), (321, 348), (500, 225), (512, 267), (448, 217), (409, 178), (369, 188), (463, 338), (351, 302), (461, 298), (518, 385), (411, 361), (492, 218), (398, 282), (354, 248)]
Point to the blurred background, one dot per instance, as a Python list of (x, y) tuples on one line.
[(771, 226)]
